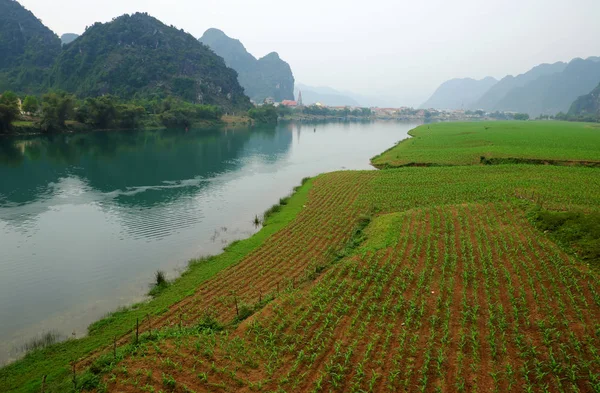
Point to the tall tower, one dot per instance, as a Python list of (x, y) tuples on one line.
[(300, 98)]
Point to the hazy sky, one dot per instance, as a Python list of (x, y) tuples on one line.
[(397, 48)]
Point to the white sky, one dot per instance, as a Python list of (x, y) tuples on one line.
[(402, 49)]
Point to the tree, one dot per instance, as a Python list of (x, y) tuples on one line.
[(102, 111), (31, 105), (264, 114), (521, 116), (8, 114), (56, 109), (130, 115), (9, 110)]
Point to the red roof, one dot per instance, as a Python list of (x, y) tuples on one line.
[(289, 103)]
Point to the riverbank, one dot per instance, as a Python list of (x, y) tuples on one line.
[(25, 128), (25, 375)]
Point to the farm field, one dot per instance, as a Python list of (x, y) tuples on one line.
[(331, 316), (466, 143), (413, 279), (455, 298)]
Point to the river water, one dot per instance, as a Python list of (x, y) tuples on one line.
[(86, 219)]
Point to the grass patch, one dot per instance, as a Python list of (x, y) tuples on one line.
[(578, 231), (40, 342), (160, 283)]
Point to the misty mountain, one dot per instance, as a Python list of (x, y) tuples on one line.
[(459, 93), (588, 104), (553, 93), (67, 38), (489, 101), (324, 95), (137, 55), (268, 76), (27, 48)]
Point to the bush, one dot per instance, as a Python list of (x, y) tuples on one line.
[(264, 114)]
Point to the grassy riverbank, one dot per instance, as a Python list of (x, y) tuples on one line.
[(32, 127), (25, 375)]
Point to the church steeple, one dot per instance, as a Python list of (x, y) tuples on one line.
[(300, 98)]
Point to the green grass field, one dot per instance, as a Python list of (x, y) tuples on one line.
[(466, 143), (465, 278)]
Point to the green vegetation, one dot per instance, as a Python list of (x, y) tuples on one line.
[(345, 112), (131, 57), (577, 230), (585, 108), (59, 111), (9, 111), (266, 114), (467, 143), (146, 59), (28, 49)]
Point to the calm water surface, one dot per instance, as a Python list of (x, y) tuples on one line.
[(86, 220)]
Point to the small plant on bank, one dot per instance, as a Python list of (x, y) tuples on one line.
[(160, 283)]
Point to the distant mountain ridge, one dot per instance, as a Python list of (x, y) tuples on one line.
[(268, 76), (553, 93), (139, 56), (489, 101), (459, 93), (67, 38), (28, 49)]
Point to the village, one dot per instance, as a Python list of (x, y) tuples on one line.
[(297, 110)]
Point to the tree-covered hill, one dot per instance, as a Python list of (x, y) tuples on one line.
[(27, 48), (587, 107), (138, 56), (269, 76)]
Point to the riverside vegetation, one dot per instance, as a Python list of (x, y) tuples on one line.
[(457, 277)]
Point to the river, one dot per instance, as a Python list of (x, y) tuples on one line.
[(87, 219)]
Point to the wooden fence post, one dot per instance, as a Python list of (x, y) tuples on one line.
[(74, 375)]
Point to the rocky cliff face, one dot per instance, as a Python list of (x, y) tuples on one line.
[(268, 76)]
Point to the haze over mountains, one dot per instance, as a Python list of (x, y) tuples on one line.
[(546, 89), (67, 38), (267, 77), (459, 93)]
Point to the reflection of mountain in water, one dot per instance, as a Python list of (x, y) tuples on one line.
[(143, 174)]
